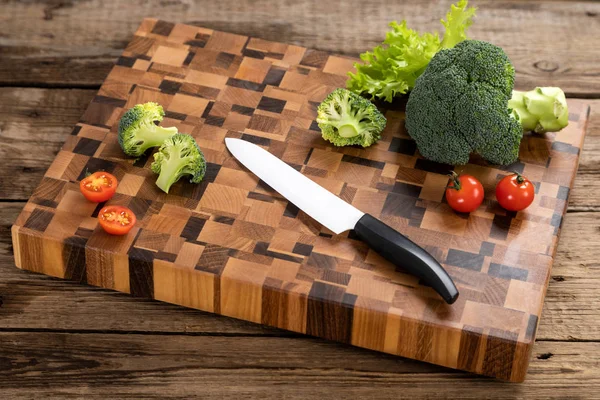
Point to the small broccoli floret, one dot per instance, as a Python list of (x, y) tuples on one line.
[(137, 129), (347, 119), (543, 109), (179, 155), (460, 105)]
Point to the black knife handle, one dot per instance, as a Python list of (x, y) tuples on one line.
[(400, 250)]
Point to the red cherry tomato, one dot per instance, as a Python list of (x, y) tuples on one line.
[(515, 192), (464, 193), (116, 220), (99, 186)]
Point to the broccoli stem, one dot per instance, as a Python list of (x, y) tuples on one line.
[(170, 171), (543, 109), (349, 123), (153, 136), (347, 131)]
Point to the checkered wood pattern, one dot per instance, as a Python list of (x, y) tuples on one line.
[(232, 246)]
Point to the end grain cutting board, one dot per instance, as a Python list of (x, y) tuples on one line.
[(232, 246)]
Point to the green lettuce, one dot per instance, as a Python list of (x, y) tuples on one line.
[(392, 68)]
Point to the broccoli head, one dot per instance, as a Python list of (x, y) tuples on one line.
[(346, 118), (179, 155), (460, 105), (138, 131)]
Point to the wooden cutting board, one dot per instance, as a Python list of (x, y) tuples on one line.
[(232, 246)]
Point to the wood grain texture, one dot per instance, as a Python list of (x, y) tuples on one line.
[(36, 121), (124, 366), (340, 290), (56, 43), (36, 302), (32, 301), (34, 124)]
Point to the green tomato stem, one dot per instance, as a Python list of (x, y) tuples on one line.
[(520, 178), (455, 181)]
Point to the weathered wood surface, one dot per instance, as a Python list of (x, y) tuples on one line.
[(43, 53), (48, 116), (278, 269), (158, 367), (570, 306), (74, 42)]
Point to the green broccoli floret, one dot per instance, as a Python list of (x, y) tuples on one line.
[(179, 155), (347, 119), (137, 129), (460, 105)]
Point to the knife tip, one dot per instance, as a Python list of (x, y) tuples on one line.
[(229, 142)]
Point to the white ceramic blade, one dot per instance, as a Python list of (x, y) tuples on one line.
[(318, 202)]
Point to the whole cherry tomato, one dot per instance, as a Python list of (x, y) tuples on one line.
[(464, 193), (99, 186), (116, 220), (515, 192)]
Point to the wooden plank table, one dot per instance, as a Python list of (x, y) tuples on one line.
[(59, 339)]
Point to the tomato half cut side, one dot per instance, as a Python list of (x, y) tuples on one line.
[(99, 186), (116, 220)]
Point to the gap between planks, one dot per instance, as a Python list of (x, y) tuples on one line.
[(283, 334)]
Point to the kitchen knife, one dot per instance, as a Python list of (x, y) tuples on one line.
[(339, 216)]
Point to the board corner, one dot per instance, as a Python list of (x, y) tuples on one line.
[(16, 245)]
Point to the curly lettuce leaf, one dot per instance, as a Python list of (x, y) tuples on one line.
[(393, 67), (458, 20)]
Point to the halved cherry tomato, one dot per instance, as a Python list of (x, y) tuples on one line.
[(515, 192), (99, 186), (116, 220), (464, 193)]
